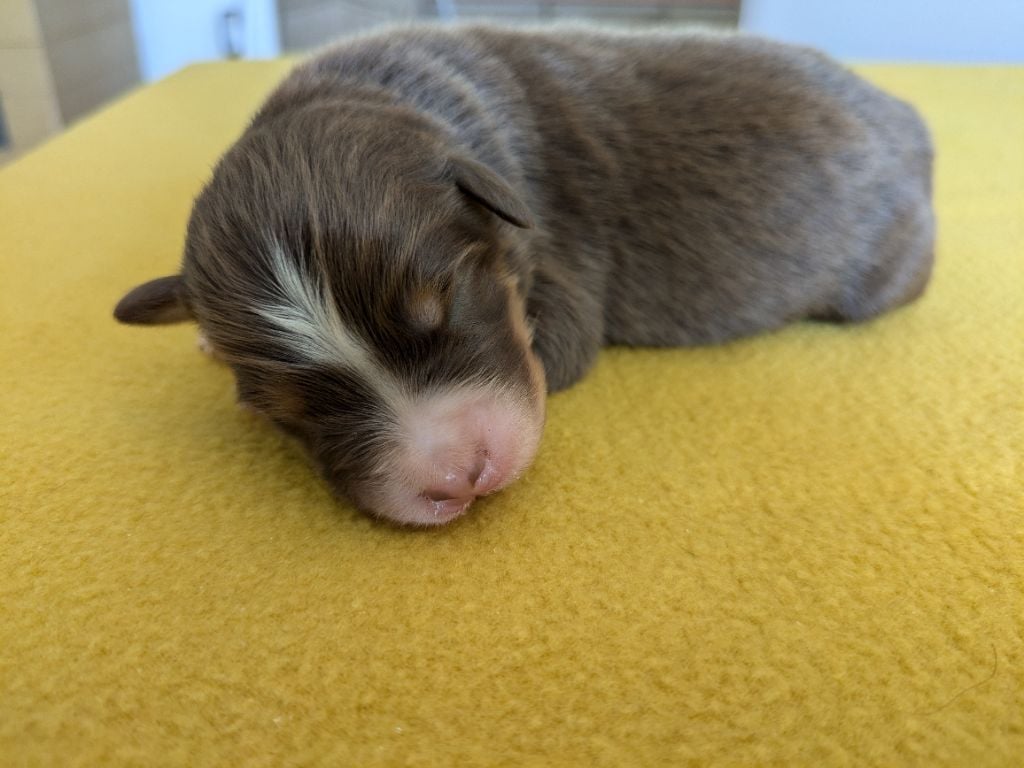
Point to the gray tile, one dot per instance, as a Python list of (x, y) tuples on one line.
[(62, 19), (92, 68)]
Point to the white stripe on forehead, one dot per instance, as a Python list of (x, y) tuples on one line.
[(308, 318)]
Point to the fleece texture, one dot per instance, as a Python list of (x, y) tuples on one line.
[(805, 548)]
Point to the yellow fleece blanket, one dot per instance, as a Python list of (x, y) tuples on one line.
[(804, 548)]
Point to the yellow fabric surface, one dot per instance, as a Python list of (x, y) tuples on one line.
[(805, 548)]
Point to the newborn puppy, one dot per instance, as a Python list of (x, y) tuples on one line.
[(423, 232)]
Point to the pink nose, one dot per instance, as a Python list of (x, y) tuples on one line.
[(456, 446), (464, 483)]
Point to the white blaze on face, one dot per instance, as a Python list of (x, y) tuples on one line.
[(307, 316), (448, 447)]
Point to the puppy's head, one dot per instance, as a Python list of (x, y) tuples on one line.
[(365, 282)]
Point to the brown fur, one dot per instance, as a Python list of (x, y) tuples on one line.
[(689, 189), (667, 189)]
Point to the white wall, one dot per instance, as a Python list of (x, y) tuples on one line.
[(895, 30), (170, 34)]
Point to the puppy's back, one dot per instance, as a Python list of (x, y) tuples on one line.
[(759, 182)]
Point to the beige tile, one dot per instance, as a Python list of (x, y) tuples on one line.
[(62, 19), (391, 7), (312, 23), (24, 72), (18, 24), (381, 6)]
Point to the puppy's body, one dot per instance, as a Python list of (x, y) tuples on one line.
[(407, 208), (687, 188)]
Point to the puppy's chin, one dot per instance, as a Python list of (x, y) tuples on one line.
[(414, 510), (451, 449)]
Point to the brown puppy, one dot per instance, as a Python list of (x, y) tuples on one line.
[(424, 231)]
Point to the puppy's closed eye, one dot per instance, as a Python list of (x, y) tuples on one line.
[(426, 309)]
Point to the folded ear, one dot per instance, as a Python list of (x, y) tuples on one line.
[(157, 302), (484, 186)]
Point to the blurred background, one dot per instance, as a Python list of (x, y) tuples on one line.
[(61, 59)]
